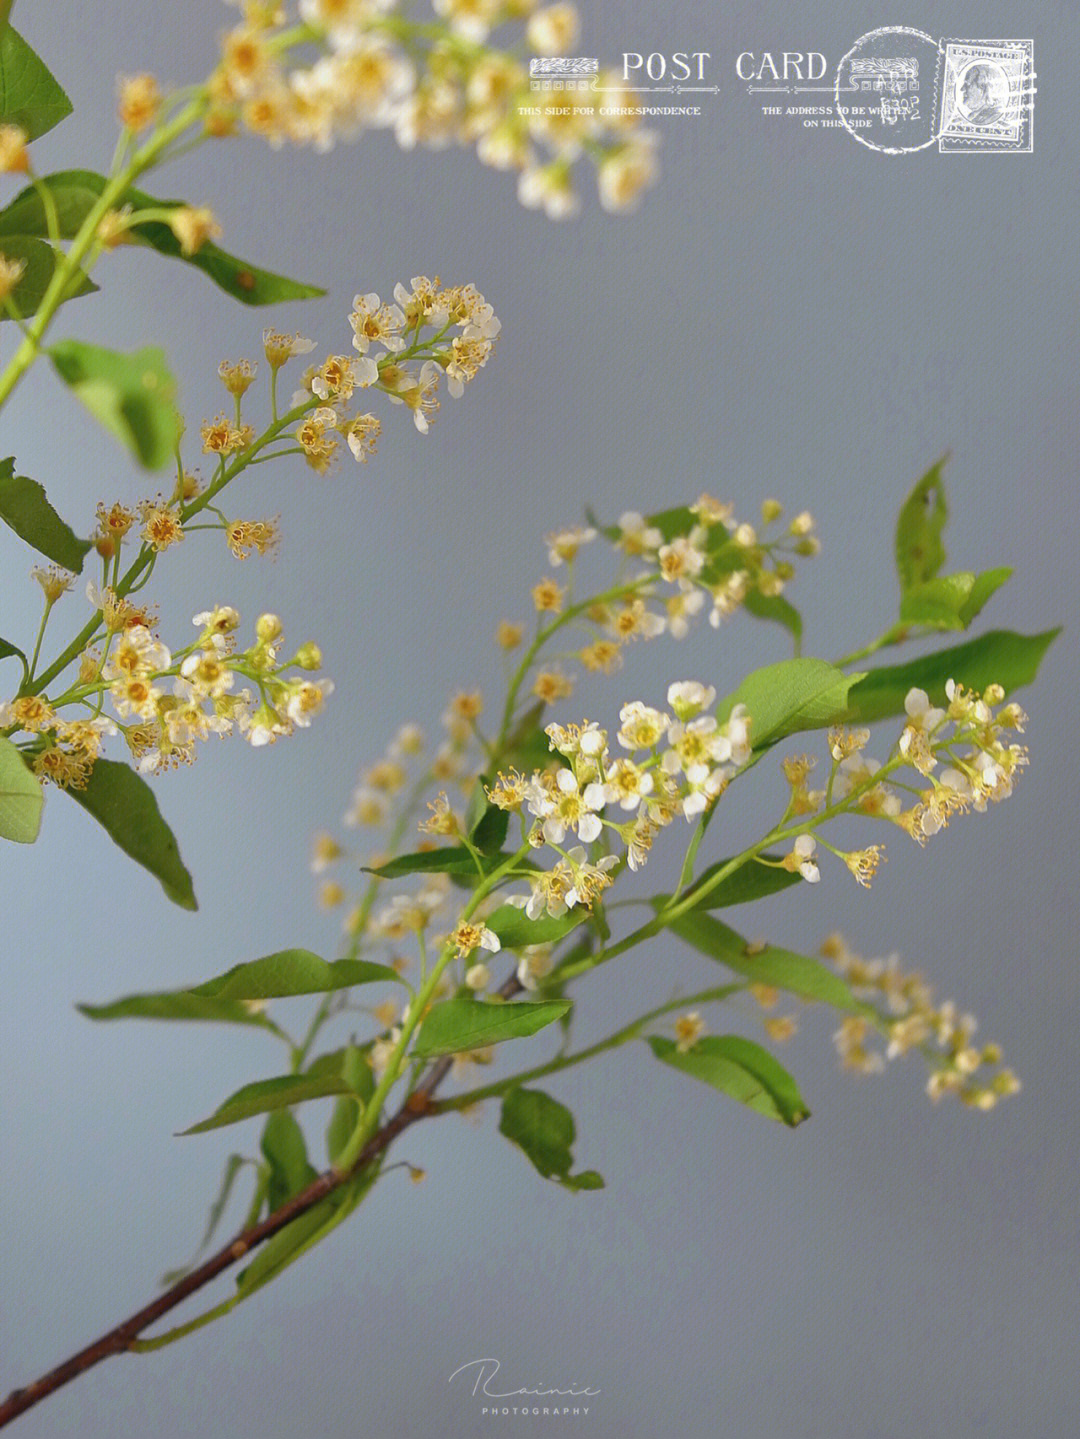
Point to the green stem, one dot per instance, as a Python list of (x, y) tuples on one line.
[(542, 637), (417, 1005), (567, 1061), (83, 242), (894, 636)]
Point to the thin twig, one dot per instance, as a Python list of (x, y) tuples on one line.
[(120, 1338)]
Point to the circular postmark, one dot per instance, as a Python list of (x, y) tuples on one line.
[(886, 90)]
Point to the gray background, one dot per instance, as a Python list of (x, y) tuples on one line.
[(788, 315)]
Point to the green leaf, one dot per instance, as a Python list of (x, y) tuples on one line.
[(671, 523), (950, 602), (233, 1165), (486, 824), (793, 695), (7, 651), (21, 797), (450, 859), (543, 1129), (749, 882), (342, 1124), (777, 609), (461, 1024), (124, 804), (516, 930), (288, 1244), (304, 1232), (527, 746), (25, 508), (779, 968), (41, 261), (293, 971), (132, 395), (29, 96), (920, 553), (741, 1069), (175, 1004), (266, 1095), (76, 192), (284, 1149), (999, 657), (986, 585)]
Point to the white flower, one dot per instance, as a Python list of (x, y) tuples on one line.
[(688, 698), (636, 536), (477, 976), (626, 785), (641, 727), (695, 748), (801, 858), (552, 30), (921, 714), (550, 187), (680, 607), (567, 808), (563, 545), (625, 173), (590, 880), (535, 964), (382, 1050), (374, 322)]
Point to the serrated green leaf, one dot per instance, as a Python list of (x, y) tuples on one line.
[(543, 1129), (266, 1095), (516, 930), (749, 882), (283, 1148), (779, 968), (76, 192), (460, 1024), (21, 797), (175, 1004), (740, 1069), (25, 508), (124, 805), (920, 553), (133, 395), (793, 695), (29, 95), (999, 657), (293, 971), (41, 260)]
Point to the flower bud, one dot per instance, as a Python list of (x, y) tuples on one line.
[(267, 629), (309, 656)]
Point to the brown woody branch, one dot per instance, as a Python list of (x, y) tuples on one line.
[(122, 1337)]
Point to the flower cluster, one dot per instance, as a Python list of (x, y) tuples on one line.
[(166, 702), (435, 82), (911, 1020), (686, 559), (674, 765), (968, 739)]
